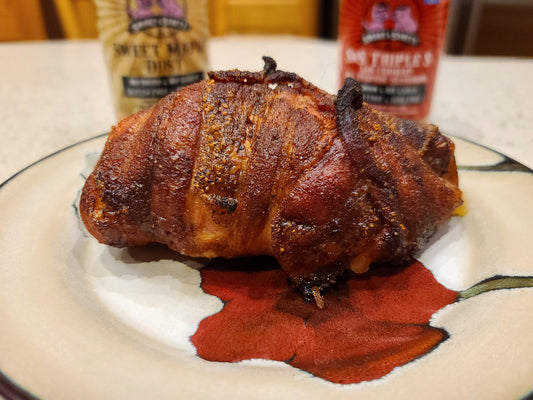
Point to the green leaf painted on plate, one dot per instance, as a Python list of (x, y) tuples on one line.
[(495, 283)]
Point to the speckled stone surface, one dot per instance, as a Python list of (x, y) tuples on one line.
[(56, 93), (52, 95)]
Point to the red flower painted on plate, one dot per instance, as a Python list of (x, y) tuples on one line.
[(371, 324)]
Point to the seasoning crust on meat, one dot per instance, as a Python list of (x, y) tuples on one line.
[(265, 163)]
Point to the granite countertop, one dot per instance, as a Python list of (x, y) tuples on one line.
[(56, 93)]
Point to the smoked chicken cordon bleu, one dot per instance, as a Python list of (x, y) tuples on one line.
[(265, 163)]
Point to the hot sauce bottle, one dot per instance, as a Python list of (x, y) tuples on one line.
[(392, 47)]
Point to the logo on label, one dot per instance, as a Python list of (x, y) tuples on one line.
[(147, 14), (386, 23)]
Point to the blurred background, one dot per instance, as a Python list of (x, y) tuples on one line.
[(475, 27)]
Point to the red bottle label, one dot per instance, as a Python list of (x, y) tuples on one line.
[(392, 47)]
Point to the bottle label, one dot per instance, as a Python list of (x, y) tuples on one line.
[(145, 15), (394, 94), (148, 87), (392, 47)]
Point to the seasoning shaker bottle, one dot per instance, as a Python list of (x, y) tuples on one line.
[(152, 48), (392, 47)]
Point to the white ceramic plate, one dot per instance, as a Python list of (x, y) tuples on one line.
[(79, 320)]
